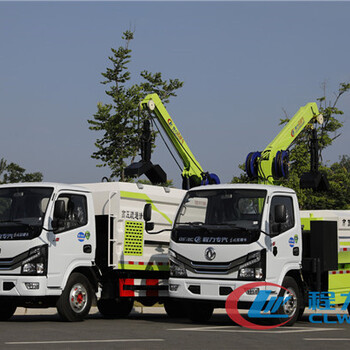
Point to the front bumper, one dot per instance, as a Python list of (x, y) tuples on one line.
[(22, 286), (207, 289)]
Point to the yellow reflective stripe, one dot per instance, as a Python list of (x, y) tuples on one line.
[(142, 196)]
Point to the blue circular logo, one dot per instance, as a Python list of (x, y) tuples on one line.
[(291, 242), (81, 236)]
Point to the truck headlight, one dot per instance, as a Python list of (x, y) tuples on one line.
[(252, 269), (177, 269), (247, 272), (36, 262), (251, 273)]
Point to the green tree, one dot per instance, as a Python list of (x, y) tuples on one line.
[(338, 196), (120, 121), (299, 156), (13, 173)]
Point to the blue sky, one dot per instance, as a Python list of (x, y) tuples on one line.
[(242, 64)]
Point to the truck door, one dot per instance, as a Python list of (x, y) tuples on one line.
[(284, 248), (70, 240)]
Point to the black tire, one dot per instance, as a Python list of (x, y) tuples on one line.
[(175, 308), (115, 308), (7, 310), (75, 302), (199, 312), (301, 313), (293, 306)]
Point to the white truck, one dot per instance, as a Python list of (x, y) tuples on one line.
[(226, 236), (69, 245)]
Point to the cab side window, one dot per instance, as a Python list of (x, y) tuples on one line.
[(75, 212), (288, 203)]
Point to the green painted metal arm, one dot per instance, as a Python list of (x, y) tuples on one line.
[(191, 166), (284, 139)]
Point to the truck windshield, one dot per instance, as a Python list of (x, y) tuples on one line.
[(22, 211), (220, 216)]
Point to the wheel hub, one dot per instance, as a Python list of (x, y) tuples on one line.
[(78, 298), (290, 306)]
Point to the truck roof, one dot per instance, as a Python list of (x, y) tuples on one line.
[(268, 188), (57, 186), (127, 186)]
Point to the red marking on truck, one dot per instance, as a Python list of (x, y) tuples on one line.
[(125, 292), (134, 283), (152, 282), (339, 272)]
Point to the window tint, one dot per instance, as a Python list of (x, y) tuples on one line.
[(26, 204), (75, 212), (288, 203)]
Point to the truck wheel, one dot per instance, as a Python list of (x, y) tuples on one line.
[(199, 312), (175, 308), (293, 305), (115, 308), (7, 310), (301, 313), (75, 302)]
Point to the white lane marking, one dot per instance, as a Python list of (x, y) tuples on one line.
[(236, 329), (81, 341), (327, 339)]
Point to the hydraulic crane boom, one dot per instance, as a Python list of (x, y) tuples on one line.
[(272, 163), (192, 174)]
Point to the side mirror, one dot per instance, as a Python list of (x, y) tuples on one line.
[(280, 218), (54, 225), (149, 227), (147, 215), (59, 213), (280, 214), (147, 212), (60, 210)]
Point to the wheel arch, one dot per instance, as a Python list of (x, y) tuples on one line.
[(88, 271), (90, 274), (296, 275)]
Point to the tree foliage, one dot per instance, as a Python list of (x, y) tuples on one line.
[(13, 173), (120, 120), (338, 174)]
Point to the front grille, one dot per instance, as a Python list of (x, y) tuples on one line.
[(12, 263)]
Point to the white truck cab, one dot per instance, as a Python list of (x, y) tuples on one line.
[(226, 236), (45, 234), (66, 245)]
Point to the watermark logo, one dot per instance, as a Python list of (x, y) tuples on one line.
[(280, 304), (321, 302), (266, 305)]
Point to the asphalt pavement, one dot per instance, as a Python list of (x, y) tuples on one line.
[(151, 328)]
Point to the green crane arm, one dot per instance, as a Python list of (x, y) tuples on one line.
[(271, 163), (191, 166), (192, 169)]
